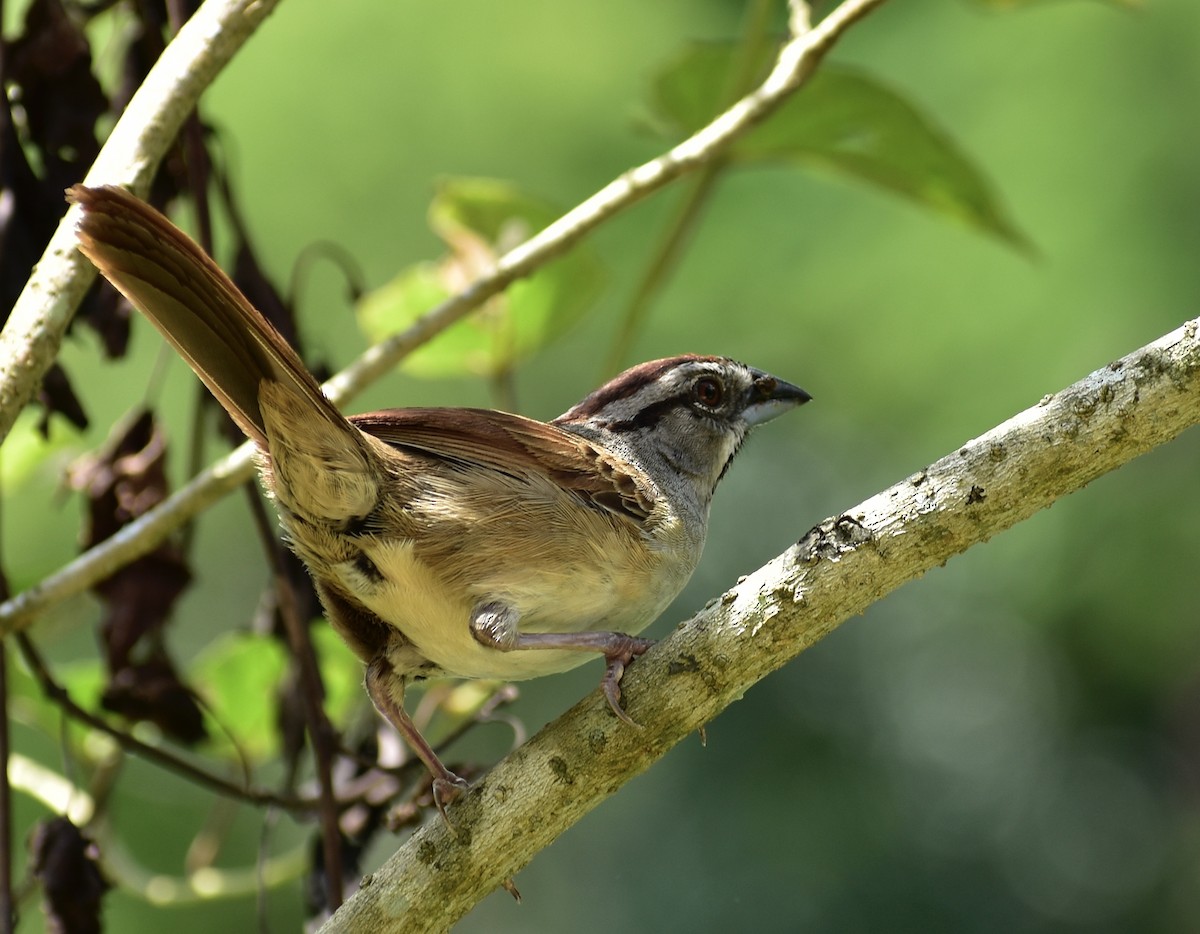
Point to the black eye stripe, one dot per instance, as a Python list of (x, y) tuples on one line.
[(651, 414)]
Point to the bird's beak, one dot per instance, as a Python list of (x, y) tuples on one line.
[(771, 396)]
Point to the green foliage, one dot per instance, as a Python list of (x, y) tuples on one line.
[(341, 673), (843, 120), (238, 675), (480, 219)]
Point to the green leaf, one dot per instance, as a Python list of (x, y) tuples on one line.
[(238, 675), (341, 673), (843, 120), (480, 220)]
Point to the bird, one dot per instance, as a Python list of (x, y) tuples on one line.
[(455, 542)]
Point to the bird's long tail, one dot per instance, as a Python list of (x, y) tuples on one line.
[(229, 344)]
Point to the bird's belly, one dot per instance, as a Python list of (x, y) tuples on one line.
[(435, 616)]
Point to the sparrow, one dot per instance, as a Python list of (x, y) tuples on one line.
[(455, 542)]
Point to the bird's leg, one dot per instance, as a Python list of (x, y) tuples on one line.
[(495, 625), (387, 691)]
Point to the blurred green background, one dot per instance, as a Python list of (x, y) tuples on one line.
[(1013, 743)]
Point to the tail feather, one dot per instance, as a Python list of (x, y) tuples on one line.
[(229, 344)]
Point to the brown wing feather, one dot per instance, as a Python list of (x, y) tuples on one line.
[(511, 443)]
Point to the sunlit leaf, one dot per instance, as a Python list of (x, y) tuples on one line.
[(341, 673), (238, 675), (480, 220), (843, 120), (26, 451)]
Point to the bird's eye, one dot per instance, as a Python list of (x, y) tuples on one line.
[(708, 391)]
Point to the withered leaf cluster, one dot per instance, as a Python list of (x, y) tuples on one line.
[(122, 481)]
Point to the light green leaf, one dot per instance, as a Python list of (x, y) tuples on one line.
[(341, 673), (238, 676), (480, 220), (843, 120)]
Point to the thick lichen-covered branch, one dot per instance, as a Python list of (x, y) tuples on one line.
[(835, 571)]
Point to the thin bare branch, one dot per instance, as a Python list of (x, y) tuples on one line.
[(165, 759), (796, 61), (799, 17)]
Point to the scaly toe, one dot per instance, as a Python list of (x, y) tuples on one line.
[(446, 790), (617, 661), (611, 686)]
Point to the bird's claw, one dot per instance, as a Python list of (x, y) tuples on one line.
[(617, 659), (446, 789)]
